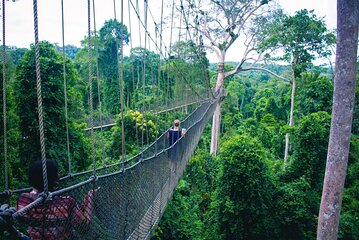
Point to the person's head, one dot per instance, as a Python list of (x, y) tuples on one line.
[(36, 178), (176, 123)]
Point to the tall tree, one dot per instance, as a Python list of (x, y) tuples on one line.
[(302, 37), (342, 114), (110, 37), (220, 24)]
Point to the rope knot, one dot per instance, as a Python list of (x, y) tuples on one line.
[(43, 195), (94, 178)]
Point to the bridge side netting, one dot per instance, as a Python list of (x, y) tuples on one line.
[(129, 201)]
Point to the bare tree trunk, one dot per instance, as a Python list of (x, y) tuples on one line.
[(242, 103), (216, 121), (291, 120), (342, 114)]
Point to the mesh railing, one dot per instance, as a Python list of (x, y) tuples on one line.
[(120, 203)]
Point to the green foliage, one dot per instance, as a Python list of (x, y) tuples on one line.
[(140, 77), (112, 36), (269, 133), (181, 219), (295, 211), (314, 94), (355, 127), (137, 127), (188, 215), (70, 50), (301, 37), (349, 218), (16, 54), (51, 66), (244, 194), (12, 130), (310, 149)]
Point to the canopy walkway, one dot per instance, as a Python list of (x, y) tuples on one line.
[(131, 196), (126, 199)]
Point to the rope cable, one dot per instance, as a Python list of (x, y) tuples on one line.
[(132, 65), (90, 85), (158, 95), (39, 99), (150, 37), (139, 22), (121, 94), (134, 88), (114, 8), (98, 84), (172, 15), (195, 49), (119, 61), (132, 71), (6, 174), (144, 71), (143, 85), (65, 88)]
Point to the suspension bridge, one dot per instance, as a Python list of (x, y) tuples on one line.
[(131, 195)]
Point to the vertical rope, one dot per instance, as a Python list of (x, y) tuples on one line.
[(90, 84), (120, 82), (139, 24), (144, 76), (98, 84), (140, 39), (133, 71), (39, 98), (6, 174), (65, 88), (132, 65), (123, 146), (180, 27), (169, 63), (173, 7), (114, 8)]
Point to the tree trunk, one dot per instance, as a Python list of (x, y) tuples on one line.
[(342, 114), (291, 120), (216, 121), (242, 104)]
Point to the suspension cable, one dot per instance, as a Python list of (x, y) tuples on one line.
[(139, 22), (172, 15), (150, 37), (98, 84), (119, 61), (133, 71), (39, 98), (90, 85), (123, 146), (6, 174), (144, 75), (195, 49), (131, 46), (65, 89)]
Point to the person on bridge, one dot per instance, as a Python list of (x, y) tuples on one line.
[(175, 132), (59, 216)]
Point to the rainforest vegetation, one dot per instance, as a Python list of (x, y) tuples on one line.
[(247, 190)]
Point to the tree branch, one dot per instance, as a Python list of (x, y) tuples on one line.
[(235, 70), (266, 70)]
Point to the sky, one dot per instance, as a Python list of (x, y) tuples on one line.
[(19, 19)]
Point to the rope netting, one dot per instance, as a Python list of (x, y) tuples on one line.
[(118, 203)]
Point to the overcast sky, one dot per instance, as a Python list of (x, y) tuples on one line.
[(19, 18)]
